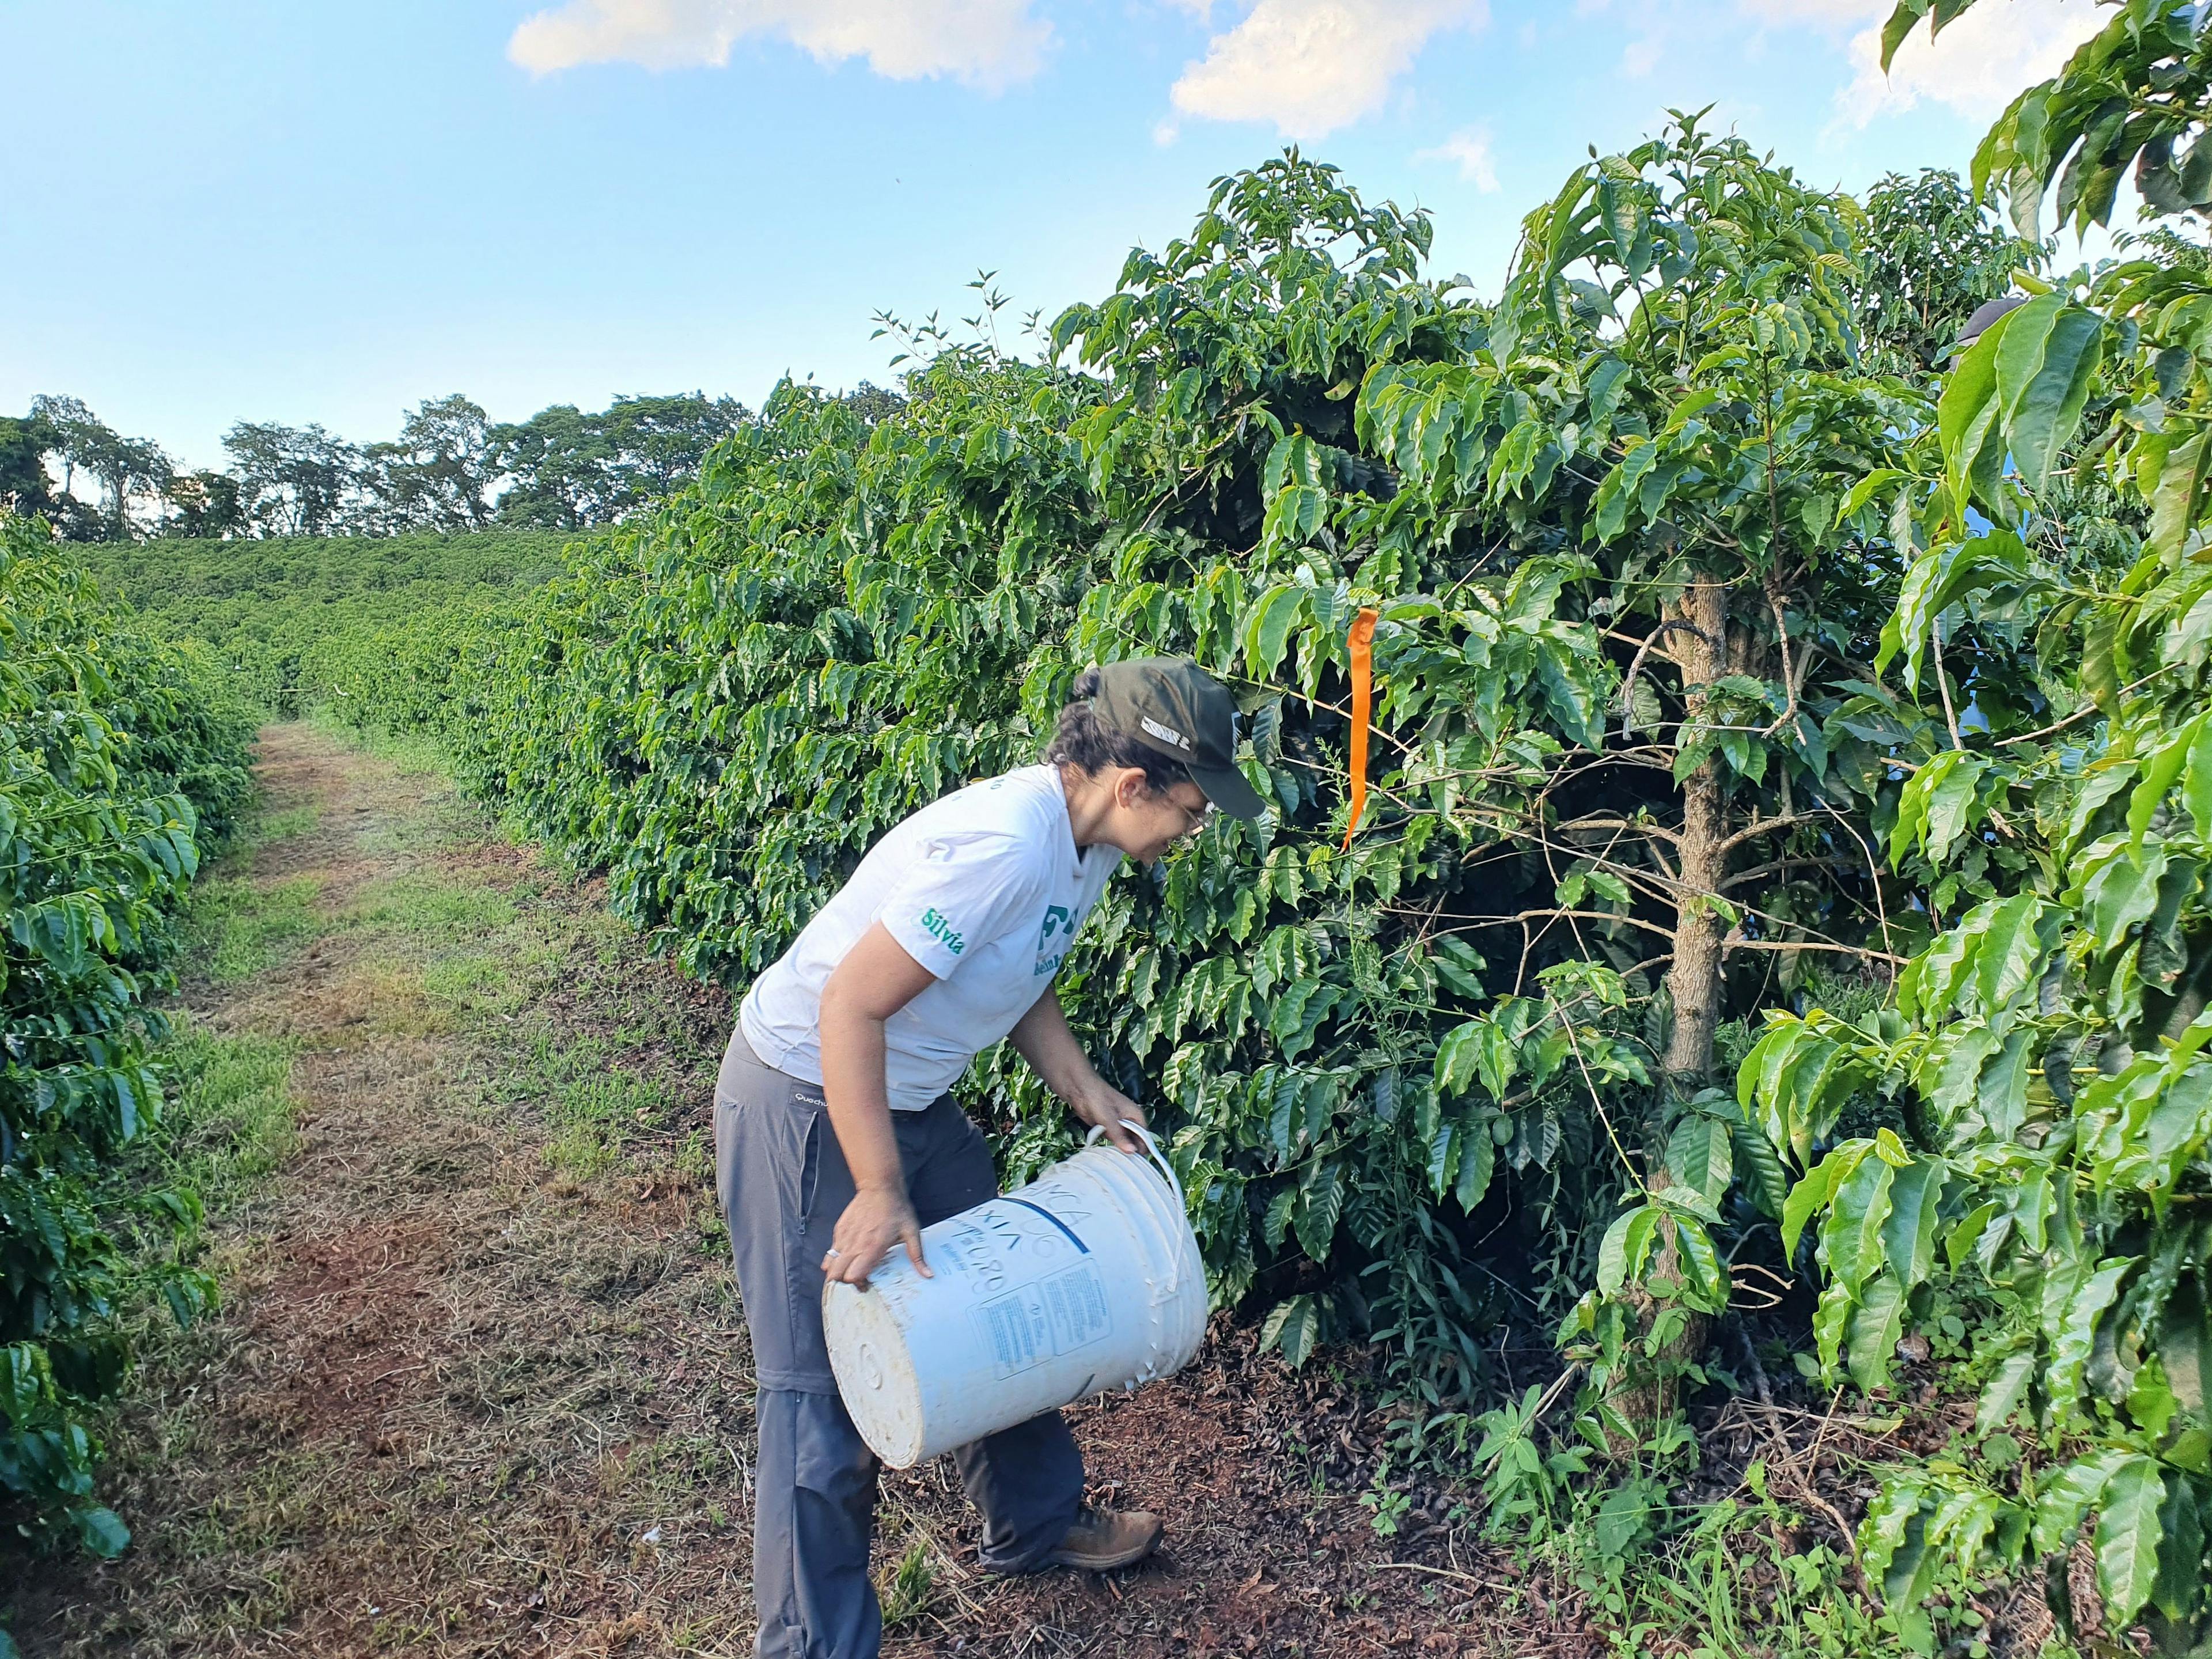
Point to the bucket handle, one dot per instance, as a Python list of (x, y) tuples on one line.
[(1151, 1145), (1170, 1269)]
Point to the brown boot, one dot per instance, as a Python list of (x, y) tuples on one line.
[(1103, 1539)]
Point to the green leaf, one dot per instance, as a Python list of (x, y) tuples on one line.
[(1958, 1241), (1967, 418), (1476, 1158), (1457, 1053), (2006, 1388), (2064, 1498), (1853, 1233), (2180, 1584), (2001, 1087), (1935, 805), (2184, 1346), (1900, 24), (1881, 1535), (2196, 789), (1908, 1235), (2158, 775), (1627, 1244), (2129, 1530), (2175, 497), (2123, 893), (1700, 1155), (101, 1532), (2076, 1331), (1872, 1334), (1807, 1200), (1268, 630), (1702, 1267), (2044, 359), (1764, 1178), (1315, 1226), (2014, 944), (1293, 1327)]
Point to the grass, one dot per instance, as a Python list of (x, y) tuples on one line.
[(594, 1104), (238, 928), (411, 752), (477, 984), (431, 908), (289, 824), (231, 1119), (908, 1588)]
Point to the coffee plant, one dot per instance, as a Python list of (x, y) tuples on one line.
[(1742, 707), (121, 758), (2042, 1110), (1626, 577), (1764, 687)]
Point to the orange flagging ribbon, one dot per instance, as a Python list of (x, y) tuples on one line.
[(1362, 642)]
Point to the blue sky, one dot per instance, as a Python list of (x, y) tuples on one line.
[(328, 210)]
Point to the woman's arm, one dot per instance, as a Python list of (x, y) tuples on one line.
[(875, 981), (1042, 1037)]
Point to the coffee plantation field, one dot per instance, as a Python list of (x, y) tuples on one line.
[(1765, 1000)]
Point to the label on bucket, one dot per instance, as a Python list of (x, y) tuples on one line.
[(1054, 1315)]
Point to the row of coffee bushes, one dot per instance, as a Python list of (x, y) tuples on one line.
[(123, 759), (721, 706), (265, 607)]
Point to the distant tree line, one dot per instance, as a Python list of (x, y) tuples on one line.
[(451, 468), (1930, 253)]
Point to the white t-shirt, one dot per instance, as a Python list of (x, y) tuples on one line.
[(985, 889)]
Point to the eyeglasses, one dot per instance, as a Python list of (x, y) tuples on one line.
[(1194, 818)]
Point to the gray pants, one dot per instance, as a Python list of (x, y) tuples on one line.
[(783, 1183)]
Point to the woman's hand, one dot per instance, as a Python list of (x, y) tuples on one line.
[(875, 1223), (1042, 1038), (1106, 1106)]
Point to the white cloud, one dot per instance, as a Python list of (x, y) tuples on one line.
[(1469, 150), (1977, 66), (989, 43), (1827, 14), (1638, 56), (1311, 66)]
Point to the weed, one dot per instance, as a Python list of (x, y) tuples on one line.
[(592, 1116), (262, 827), (407, 753), (694, 1157), (909, 1590), (1386, 1504)]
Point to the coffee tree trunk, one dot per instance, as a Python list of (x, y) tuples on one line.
[(1693, 983), (1700, 647)]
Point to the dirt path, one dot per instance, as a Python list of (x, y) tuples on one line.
[(481, 1383)]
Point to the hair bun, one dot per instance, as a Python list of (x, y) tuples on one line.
[(1086, 686)]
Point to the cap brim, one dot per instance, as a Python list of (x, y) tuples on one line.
[(1225, 786)]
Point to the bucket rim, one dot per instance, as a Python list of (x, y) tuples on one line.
[(1152, 1145)]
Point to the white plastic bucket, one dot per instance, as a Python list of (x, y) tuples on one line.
[(1087, 1278)]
